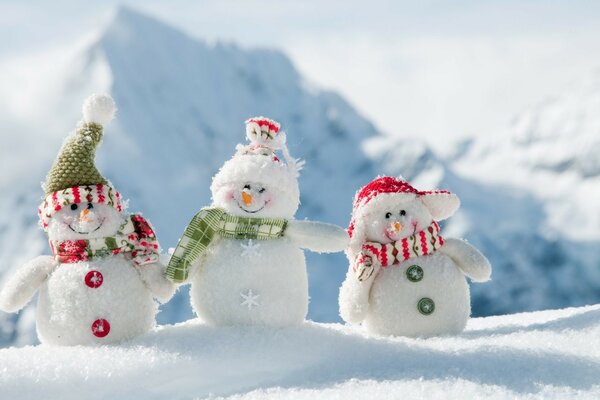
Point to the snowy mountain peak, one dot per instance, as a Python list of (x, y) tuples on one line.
[(131, 27)]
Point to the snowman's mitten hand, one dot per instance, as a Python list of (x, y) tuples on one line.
[(354, 298), (364, 267), (20, 288), (317, 236), (470, 260), (153, 275)]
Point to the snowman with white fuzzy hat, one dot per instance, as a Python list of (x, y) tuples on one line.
[(99, 286), (404, 278), (243, 254)]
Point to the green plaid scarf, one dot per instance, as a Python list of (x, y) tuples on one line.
[(215, 221)]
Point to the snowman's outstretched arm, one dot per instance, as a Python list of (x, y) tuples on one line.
[(153, 276), (21, 287), (471, 262), (317, 236), (355, 291)]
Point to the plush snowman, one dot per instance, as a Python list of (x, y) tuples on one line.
[(99, 285), (243, 254), (404, 278)]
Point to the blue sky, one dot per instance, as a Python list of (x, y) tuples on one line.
[(435, 70)]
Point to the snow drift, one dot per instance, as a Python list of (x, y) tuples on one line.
[(549, 355)]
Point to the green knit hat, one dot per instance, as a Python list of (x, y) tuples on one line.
[(75, 164)]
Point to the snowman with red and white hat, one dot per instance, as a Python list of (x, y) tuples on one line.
[(404, 278), (99, 285), (244, 254)]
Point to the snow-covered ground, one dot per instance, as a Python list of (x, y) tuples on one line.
[(541, 355)]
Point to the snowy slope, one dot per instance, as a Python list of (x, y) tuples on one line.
[(543, 355), (534, 205)]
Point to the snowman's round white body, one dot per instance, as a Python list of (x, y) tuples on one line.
[(95, 289), (236, 288), (394, 299), (102, 300), (70, 312), (401, 281), (259, 282)]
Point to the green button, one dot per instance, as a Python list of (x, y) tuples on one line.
[(414, 273), (426, 306)]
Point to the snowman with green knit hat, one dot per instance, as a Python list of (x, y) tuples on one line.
[(244, 254), (100, 283)]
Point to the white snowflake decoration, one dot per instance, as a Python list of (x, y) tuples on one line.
[(251, 249), (250, 299), (96, 279)]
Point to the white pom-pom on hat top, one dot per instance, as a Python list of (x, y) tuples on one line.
[(99, 109)]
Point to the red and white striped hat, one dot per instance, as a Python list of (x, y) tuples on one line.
[(261, 128), (440, 203)]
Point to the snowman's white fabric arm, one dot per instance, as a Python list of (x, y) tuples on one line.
[(153, 275), (471, 262), (354, 294), (317, 236), (20, 288)]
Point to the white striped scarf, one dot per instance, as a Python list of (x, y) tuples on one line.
[(419, 244)]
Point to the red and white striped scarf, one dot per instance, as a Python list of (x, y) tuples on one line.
[(135, 237), (421, 243)]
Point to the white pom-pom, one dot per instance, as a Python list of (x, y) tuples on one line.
[(99, 109)]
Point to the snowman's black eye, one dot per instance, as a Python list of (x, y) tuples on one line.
[(90, 206), (262, 190), (73, 207), (388, 215), (402, 213), (247, 186)]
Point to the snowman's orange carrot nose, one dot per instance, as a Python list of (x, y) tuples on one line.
[(247, 198), (83, 216), (397, 226)]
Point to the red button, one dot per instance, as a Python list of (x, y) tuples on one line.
[(100, 328), (94, 279)]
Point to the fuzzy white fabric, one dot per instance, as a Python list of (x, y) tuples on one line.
[(21, 287), (386, 302), (470, 261), (67, 307), (99, 109), (368, 221), (274, 270), (261, 172), (317, 236), (276, 273), (101, 221)]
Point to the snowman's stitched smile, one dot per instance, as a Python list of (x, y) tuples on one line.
[(88, 232), (249, 211)]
